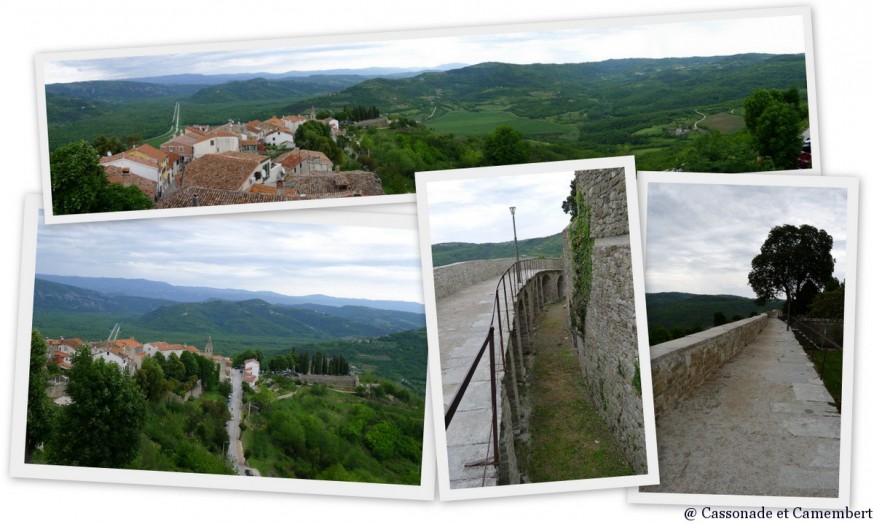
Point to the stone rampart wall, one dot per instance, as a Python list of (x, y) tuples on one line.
[(607, 343), (681, 365), (454, 277), (349, 381)]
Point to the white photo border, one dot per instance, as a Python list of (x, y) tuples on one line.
[(851, 184), (363, 38), (19, 468), (568, 167)]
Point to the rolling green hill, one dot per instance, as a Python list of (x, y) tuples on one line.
[(687, 310), (234, 326), (264, 89), (623, 92), (118, 90), (54, 297), (452, 252)]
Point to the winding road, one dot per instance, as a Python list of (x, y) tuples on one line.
[(235, 449), (703, 116)]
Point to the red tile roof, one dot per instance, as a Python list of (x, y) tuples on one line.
[(150, 151), (133, 156), (335, 185), (116, 175), (192, 196), (227, 171)]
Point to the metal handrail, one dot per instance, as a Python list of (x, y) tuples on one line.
[(815, 336), (515, 276)]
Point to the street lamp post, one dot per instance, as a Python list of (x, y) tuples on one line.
[(515, 241)]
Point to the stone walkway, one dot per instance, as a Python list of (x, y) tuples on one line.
[(764, 425), (463, 321)]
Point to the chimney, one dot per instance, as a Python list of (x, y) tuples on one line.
[(280, 190), (195, 201)]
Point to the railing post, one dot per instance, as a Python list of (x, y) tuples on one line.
[(517, 409), (494, 394)]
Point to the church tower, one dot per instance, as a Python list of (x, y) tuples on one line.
[(208, 348)]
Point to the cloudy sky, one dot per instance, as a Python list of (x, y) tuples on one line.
[(478, 210), (782, 34), (702, 238), (231, 252)]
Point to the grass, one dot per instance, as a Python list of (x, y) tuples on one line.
[(484, 122), (569, 439), (829, 365)]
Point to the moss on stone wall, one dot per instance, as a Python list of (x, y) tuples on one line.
[(581, 243)]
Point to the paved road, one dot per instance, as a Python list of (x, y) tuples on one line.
[(235, 449), (764, 425)]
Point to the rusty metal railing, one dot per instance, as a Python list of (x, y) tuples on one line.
[(512, 280)]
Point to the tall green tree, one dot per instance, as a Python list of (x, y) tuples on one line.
[(41, 410), (77, 179), (79, 184), (150, 379), (505, 146), (103, 424), (317, 136), (791, 257), (774, 120)]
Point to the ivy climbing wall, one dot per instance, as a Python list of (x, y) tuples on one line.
[(601, 306)]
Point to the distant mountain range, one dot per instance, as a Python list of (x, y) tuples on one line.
[(66, 310), (452, 252), (367, 72), (162, 291)]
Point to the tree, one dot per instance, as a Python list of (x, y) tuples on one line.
[(108, 145), (719, 318), (117, 197), (79, 184), (774, 118), (715, 152), (41, 410), (77, 179), (150, 379), (192, 367), (829, 303), (103, 424), (778, 135), (570, 203), (175, 368), (791, 257), (506, 146), (318, 136)]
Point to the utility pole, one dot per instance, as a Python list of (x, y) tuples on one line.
[(515, 242)]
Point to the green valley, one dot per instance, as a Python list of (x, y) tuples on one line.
[(659, 110)]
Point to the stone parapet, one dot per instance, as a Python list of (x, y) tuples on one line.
[(451, 278), (681, 365)]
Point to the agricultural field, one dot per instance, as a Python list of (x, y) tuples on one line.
[(473, 123), (723, 122)]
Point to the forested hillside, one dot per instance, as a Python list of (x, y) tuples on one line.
[(452, 252)]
